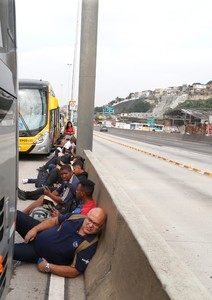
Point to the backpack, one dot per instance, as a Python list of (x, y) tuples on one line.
[(42, 177), (42, 213)]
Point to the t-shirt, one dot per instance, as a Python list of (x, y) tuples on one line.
[(69, 130), (84, 209), (58, 244), (68, 145), (62, 189), (87, 207)]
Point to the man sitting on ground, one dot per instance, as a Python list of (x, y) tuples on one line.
[(62, 195), (52, 243), (79, 170), (54, 178), (84, 193)]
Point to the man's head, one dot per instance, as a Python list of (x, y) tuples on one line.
[(85, 189), (66, 172), (78, 157), (94, 221), (78, 167)]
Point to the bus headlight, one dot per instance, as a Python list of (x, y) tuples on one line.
[(42, 138)]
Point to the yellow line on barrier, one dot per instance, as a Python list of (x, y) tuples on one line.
[(158, 156)]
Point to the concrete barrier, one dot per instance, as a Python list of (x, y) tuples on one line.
[(197, 138), (132, 260)]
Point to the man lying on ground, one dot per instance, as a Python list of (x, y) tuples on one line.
[(53, 243)]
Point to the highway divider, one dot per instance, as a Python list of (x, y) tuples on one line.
[(132, 260)]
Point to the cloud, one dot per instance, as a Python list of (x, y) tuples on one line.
[(141, 44)]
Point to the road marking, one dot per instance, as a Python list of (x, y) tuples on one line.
[(56, 287), (157, 156)]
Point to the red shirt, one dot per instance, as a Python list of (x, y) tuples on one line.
[(69, 131), (87, 207)]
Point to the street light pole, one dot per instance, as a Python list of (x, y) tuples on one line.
[(69, 78)]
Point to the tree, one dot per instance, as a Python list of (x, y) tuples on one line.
[(98, 109)]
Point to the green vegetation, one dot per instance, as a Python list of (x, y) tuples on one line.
[(139, 106), (195, 104), (98, 109), (128, 107)]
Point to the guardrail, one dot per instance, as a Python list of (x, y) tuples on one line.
[(132, 260)]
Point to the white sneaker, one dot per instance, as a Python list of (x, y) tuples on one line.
[(24, 181)]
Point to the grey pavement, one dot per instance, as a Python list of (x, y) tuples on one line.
[(27, 282)]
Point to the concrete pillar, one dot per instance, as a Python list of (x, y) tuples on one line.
[(87, 75)]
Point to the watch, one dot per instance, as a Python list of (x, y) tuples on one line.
[(47, 268)]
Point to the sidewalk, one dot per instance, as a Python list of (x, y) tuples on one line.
[(27, 282)]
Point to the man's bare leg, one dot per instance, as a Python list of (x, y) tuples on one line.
[(35, 204)]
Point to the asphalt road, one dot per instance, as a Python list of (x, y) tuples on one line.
[(175, 199), (174, 140)]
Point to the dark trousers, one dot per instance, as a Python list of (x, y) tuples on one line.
[(34, 195), (25, 252), (54, 177), (52, 160)]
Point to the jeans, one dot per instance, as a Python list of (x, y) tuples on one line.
[(25, 252)]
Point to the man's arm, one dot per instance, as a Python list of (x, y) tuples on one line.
[(53, 195), (60, 270), (31, 234)]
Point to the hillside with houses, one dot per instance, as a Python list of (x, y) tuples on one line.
[(162, 100)]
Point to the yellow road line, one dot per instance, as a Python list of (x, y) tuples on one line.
[(157, 156)]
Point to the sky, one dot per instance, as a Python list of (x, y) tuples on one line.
[(141, 45)]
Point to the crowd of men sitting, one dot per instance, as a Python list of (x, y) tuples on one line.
[(57, 246)]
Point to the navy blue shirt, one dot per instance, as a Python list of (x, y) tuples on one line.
[(62, 188), (57, 244)]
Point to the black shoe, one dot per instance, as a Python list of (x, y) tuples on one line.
[(21, 194), (41, 169)]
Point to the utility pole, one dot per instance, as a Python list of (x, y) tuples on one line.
[(69, 78), (87, 75)]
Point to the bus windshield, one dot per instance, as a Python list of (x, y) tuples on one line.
[(32, 109)]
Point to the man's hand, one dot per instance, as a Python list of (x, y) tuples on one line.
[(55, 212), (42, 265), (47, 191), (30, 235)]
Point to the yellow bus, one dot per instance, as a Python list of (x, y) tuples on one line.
[(39, 117)]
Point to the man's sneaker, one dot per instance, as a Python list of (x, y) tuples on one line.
[(24, 181), (21, 194)]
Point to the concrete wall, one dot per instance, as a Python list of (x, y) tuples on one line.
[(132, 260)]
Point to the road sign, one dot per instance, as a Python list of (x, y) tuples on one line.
[(109, 109), (150, 120)]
